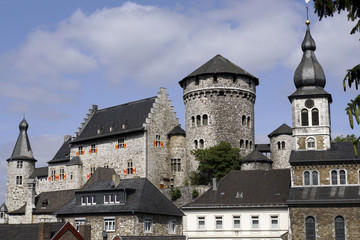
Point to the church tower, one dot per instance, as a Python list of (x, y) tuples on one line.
[(310, 102), (21, 165), (219, 100)]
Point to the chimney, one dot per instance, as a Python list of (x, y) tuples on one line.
[(30, 201), (85, 231), (44, 231), (214, 184), (115, 179), (67, 137)]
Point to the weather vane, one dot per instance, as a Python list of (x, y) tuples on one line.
[(307, 12)]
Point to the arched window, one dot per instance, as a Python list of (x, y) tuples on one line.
[(195, 144), (198, 120), (242, 143), (311, 143), (315, 117), (334, 177), (248, 121), (201, 143), (278, 143), (315, 178), (283, 145), (304, 117), (243, 120), (339, 228), (310, 228), (192, 121), (342, 174), (246, 144), (306, 178), (250, 143), (205, 120)]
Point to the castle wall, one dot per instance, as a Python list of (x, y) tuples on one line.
[(177, 150), (280, 148), (228, 102)]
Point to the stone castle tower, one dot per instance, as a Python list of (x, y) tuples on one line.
[(310, 102), (219, 102), (21, 165)]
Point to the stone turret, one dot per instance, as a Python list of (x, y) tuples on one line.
[(310, 102), (219, 102), (21, 165)]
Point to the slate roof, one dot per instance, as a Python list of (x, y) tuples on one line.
[(256, 156), (100, 174), (22, 149), (144, 197), (177, 131), (74, 161), (25, 231), (309, 92), (63, 154), (241, 188), (20, 211), (132, 114), (55, 200), (284, 129), (324, 195), (39, 172), (263, 147), (342, 152), (217, 65)]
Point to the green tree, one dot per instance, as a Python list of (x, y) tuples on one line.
[(215, 162), (348, 138), (327, 8)]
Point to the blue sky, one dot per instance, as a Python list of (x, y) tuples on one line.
[(59, 57)]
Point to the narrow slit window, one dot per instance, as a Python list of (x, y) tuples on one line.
[(315, 117)]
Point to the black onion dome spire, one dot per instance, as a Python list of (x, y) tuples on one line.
[(309, 72), (22, 149)]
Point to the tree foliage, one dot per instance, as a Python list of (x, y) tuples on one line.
[(347, 138), (215, 162), (327, 8)]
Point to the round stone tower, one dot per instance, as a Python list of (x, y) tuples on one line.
[(21, 165), (219, 102)]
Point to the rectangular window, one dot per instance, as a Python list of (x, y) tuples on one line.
[(157, 142), (93, 148), (106, 198), (147, 225), (109, 224), (78, 222), (80, 151), (176, 165), (274, 222), (92, 170), (18, 180), (19, 164), (172, 226), (218, 223), (130, 167), (53, 173), (236, 222), (201, 223), (121, 143), (62, 174), (255, 222)]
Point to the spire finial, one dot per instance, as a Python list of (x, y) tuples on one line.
[(307, 22)]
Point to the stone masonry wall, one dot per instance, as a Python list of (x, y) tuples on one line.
[(280, 157), (324, 221), (352, 173), (177, 150), (228, 102)]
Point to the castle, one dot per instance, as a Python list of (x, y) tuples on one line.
[(143, 139)]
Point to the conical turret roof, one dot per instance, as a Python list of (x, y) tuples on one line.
[(22, 149)]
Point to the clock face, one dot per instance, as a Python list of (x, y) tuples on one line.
[(309, 103)]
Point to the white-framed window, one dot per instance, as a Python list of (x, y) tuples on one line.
[(92, 170), (255, 222), (62, 174), (236, 222), (18, 180), (274, 221), (130, 167), (88, 200), (175, 165), (310, 178), (201, 223), (218, 222), (148, 225), (310, 143), (172, 226), (53, 173), (19, 164), (338, 177), (93, 148), (157, 142), (80, 151), (121, 143), (78, 222), (109, 224)]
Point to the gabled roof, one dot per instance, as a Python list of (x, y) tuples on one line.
[(238, 189), (177, 131), (130, 115), (100, 174), (22, 149), (39, 172), (74, 161), (218, 65), (284, 129), (143, 197), (324, 195), (63, 154), (256, 156), (54, 200), (19, 211), (67, 230), (26, 231), (342, 152)]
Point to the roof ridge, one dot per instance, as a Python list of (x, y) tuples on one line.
[(128, 103)]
